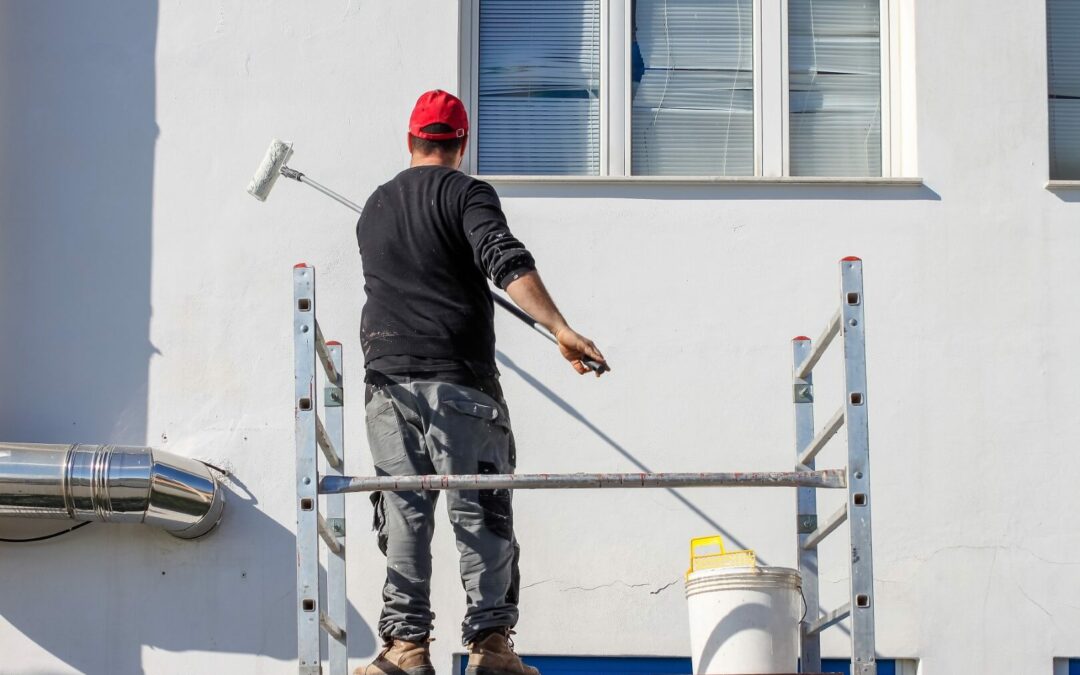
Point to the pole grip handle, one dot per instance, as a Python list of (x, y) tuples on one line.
[(595, 366)]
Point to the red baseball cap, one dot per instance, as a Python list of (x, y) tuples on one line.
[(438, 107)]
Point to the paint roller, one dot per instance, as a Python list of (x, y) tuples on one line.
[(274, 164)]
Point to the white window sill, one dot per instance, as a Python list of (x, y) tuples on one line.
[(706, 180), (1063, 185)]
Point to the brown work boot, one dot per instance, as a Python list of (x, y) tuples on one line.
[(400, 657), (493, 654)]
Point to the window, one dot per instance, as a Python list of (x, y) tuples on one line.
[(692, 88), (834, 76), (682, 87), (538, 87), (1063, 47)]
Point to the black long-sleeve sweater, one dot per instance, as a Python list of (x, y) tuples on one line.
[(429, 240)]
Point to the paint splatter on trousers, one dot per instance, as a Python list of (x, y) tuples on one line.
[(424, 427)]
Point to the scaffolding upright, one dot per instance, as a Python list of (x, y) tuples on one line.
[(323, 607)]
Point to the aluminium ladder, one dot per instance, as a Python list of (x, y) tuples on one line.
[(847, 322), (324, 609)]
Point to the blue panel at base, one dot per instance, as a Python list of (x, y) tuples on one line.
[(605, 665), (1074, 666), (884, 667), (648, 665)]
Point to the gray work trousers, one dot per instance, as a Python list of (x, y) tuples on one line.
[(424, 427)]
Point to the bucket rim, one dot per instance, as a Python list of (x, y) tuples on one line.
[(749, 572), (744, 578)]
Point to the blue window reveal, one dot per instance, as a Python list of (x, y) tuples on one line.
[(1074, 666), (651, 665)]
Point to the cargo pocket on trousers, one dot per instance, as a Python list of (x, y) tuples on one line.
[(496, 455), (386, 435), (378, 520), (497, 506)]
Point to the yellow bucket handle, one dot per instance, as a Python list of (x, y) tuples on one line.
[(712, 549), (699, 542)]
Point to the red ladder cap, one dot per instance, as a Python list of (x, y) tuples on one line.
[(299, 265), (333, 343), (800, 338), (851, 258)]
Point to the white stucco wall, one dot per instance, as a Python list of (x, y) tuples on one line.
[(144, 298)]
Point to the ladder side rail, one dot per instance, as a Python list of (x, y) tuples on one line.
[(863, 638), (337, 602), (305, 401), (806, 508)]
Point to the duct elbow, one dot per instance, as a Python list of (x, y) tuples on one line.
[(185, 498)]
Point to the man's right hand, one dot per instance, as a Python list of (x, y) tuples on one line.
[(575, 347), (528, 292)]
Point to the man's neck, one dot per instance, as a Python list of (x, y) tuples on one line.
[(431, 160)]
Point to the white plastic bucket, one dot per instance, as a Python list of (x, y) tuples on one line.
[(744, 620)]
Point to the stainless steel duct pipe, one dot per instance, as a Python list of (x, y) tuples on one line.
[(110, 483)]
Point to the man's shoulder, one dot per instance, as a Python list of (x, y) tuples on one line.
[(451, 184)]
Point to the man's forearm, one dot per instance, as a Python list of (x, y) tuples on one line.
[(528, 293)]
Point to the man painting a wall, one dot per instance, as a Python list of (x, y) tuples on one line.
[(429, 240)]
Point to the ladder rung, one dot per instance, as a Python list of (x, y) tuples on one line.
[(827, 528), (332, 629), (820, 345), (324, 354), (816, 445), (833, 617), (332, 456), (332, 542)]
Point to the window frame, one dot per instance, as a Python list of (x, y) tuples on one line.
[(771, 96)]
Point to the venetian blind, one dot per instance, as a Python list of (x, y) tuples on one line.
[(693, 88), (539, 87), (834, 62), (1063, 23)]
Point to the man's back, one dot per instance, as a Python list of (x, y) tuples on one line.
[(429, 238)]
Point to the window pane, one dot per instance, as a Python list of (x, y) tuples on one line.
[(1063, 17), (539, 87), (693, 88), (834, 60)]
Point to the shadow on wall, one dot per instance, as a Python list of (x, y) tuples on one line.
[(77, 142), (1068, 194), (508, 363), (233, 592), (77, 136)]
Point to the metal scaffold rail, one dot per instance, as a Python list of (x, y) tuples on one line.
[(318, 478), (831, 478)]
